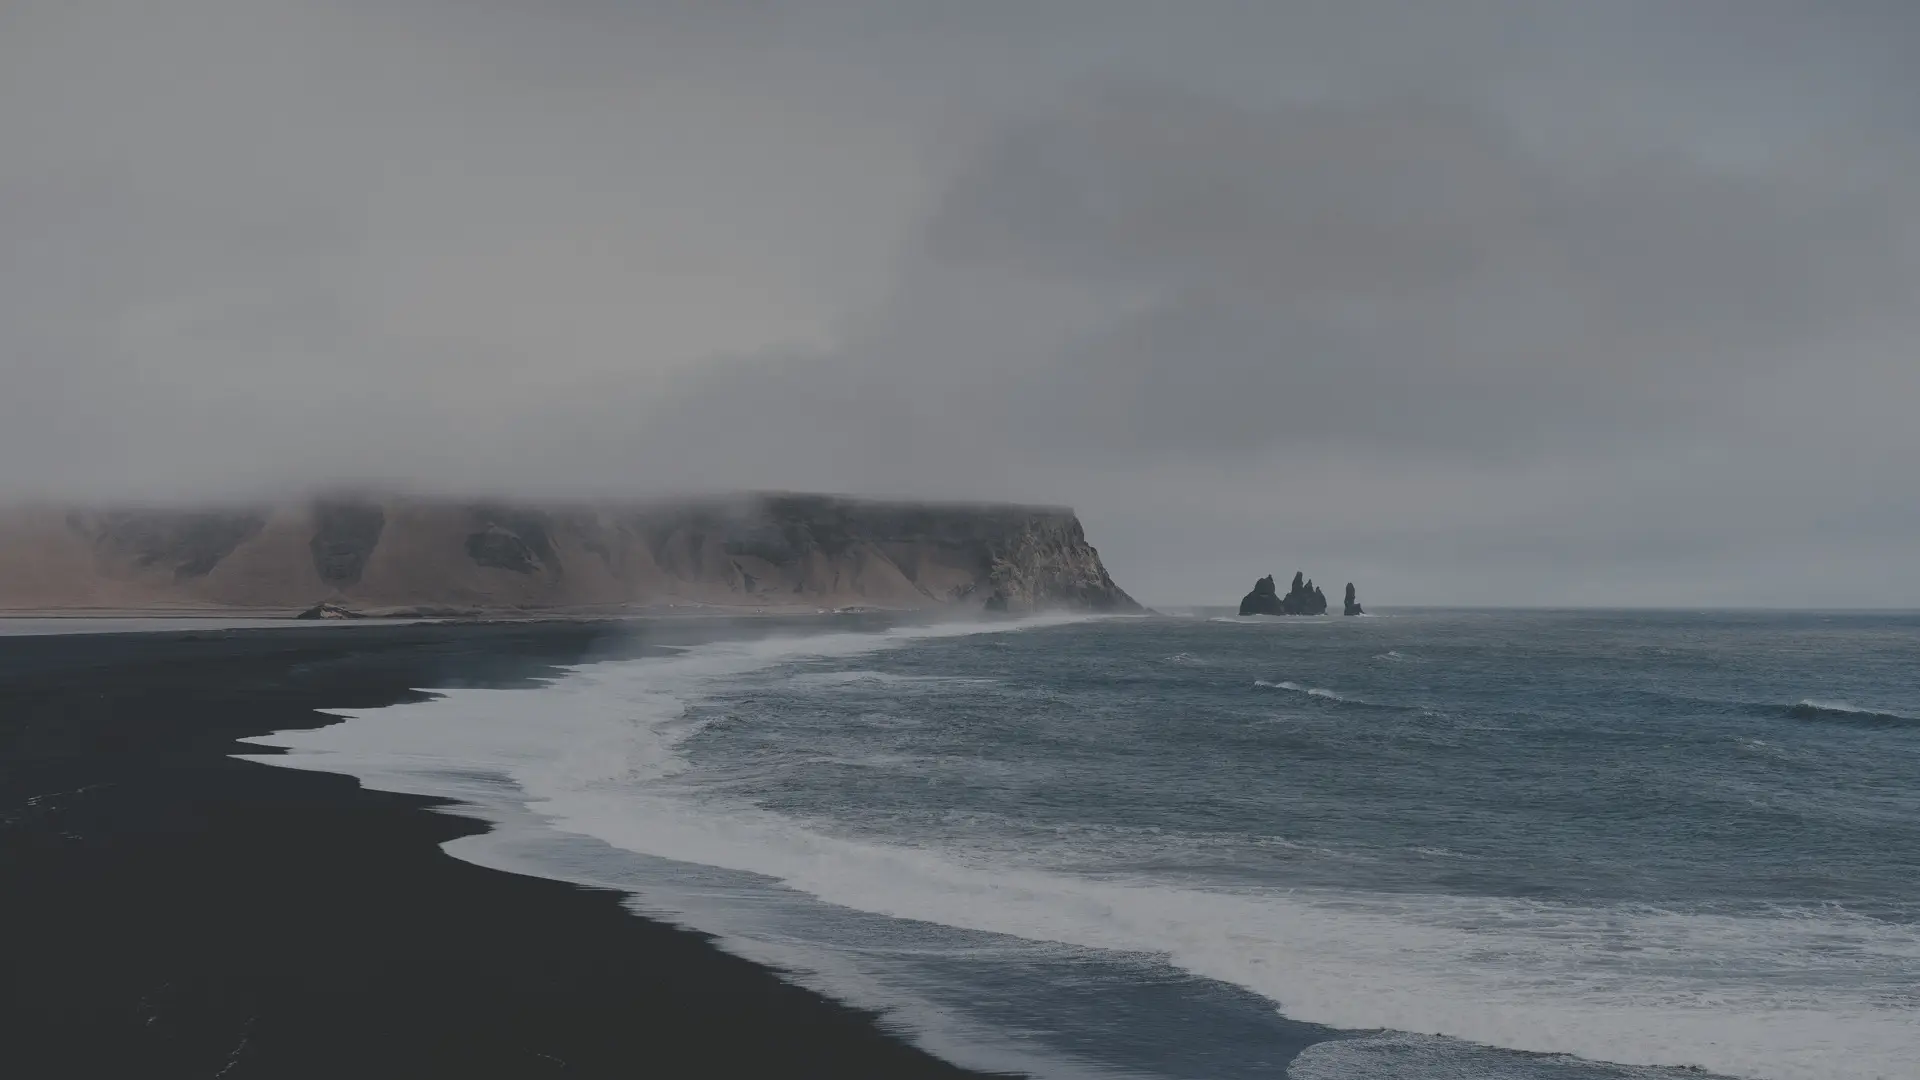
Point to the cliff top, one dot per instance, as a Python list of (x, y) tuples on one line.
[(369, 549)]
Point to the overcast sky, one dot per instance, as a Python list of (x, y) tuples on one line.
[(1602, 302)]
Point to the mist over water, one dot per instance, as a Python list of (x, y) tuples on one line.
[(1191, 847), (1529, 302)]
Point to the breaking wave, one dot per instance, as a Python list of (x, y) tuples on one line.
[(1846, 712), (1325, 694), (600, 753)]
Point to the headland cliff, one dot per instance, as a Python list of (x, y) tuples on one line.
[(390, 554)]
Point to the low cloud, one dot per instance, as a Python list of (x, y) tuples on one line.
[(1502, 303)]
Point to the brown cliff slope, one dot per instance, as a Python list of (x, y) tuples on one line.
[(388, 553)]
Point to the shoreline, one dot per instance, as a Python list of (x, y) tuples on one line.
[(181, 912), (450, 614)]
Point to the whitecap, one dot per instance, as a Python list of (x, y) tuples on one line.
[(1812, 709), (598, 754)]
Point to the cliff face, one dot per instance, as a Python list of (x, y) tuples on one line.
[(372, 554)]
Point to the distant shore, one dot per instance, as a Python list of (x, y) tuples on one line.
[(494, 614), (174, 911)]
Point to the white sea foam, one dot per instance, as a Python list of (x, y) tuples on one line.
[(1812, 706), (1311, 691), (1835, 706), (1419, 1057), (891, 680), (1442, 853), (1789, 996)]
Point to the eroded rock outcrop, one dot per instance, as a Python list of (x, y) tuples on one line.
[(344, 535), (1352, 605), (1263, 600), (327, 609), (185, 543), (1303, 598), (1045, 561)]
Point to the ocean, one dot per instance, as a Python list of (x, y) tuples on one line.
[(1423, 844)]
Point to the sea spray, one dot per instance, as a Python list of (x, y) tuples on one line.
[(1056, 806)]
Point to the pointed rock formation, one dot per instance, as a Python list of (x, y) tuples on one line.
[(1303, 598), (1353, 601), (1263, 600), (327, 609)]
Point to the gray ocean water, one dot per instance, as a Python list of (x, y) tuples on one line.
[(1425, 845)]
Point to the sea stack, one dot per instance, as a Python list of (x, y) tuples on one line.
[(1353, 601), (327, 609), (1304, 598), (1263, 600)]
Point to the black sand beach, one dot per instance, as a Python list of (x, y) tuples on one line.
[(170, 911)]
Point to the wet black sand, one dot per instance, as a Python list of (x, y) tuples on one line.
[(167, 910)]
